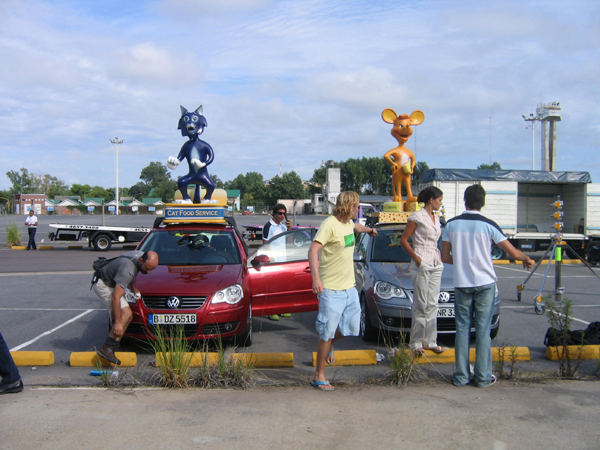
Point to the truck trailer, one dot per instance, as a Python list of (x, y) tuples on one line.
[(521, 202)]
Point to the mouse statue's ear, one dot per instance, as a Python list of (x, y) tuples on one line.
[(389, 115), (417, 117)]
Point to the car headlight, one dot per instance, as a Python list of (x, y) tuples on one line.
[(387, 290), (232, 295)]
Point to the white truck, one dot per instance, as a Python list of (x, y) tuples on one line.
[(100, 236), (521, 202)]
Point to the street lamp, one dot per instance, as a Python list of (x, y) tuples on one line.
[(116, 141), (531, 118)]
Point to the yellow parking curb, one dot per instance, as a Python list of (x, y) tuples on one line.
[(501, 261), (25, 358), (564, 261), (45, 247), (449, 355), (587, 352), (197, 359), (351, 358), (74, 247), (18, 247), (91, 359), (264, 360)]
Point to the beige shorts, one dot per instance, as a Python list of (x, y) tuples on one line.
[(105, 293)]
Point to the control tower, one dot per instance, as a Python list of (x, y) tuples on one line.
[(548, 114)]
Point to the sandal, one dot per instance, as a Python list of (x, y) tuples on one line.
[(436, 349), (330, 357), (419, 351)]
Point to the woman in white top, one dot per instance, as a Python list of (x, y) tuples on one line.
[(426, 270)]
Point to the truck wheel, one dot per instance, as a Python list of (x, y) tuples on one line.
[(102, 243), (497, 252)]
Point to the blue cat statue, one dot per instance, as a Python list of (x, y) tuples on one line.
[(198, 155)]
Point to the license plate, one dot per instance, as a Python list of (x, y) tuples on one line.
[(171, 319), (445, 312)]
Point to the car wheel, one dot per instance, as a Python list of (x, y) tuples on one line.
[(102, 243), (244, 339), (494, 331), (299, 240), (367, 331), (497, 252)]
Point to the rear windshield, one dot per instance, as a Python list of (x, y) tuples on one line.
[(192, 247)]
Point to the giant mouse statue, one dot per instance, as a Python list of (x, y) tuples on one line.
[(198, 155), (402, 159)]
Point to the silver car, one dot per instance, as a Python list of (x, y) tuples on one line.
[(382, 272)]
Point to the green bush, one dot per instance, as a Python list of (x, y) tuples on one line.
[(13, 235)]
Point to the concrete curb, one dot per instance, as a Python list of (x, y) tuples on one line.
[(18, 247), (351, 358), (91, 359), (75, 247), (264, 360), (449, 355), (545, 261), (26, 358), (587, 352), (45, 247)]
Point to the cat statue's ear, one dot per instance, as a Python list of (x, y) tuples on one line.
[(183, 110), (199, 110)]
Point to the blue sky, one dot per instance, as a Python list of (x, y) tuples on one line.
[(292, 83)]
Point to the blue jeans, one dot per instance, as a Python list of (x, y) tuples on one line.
[(8, 369), (475, 302)]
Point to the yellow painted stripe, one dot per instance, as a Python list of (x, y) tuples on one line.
[(91, 359), (564, 261), (351, 358), (587, 352), (25, 358), (264, 360), (500, 261), (197, 359), (19, 247), (45, 247)]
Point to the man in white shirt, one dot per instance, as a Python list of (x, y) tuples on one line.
[(31, 223), (277, 225)]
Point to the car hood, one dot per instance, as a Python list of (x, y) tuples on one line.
[(399, 274), (189, 280)]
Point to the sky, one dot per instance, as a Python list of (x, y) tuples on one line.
[(288, 84)]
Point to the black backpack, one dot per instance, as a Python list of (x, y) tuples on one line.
[(98, 265), (589, 336)]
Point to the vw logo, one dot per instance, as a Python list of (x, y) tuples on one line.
[(173, 302), (444, 297)]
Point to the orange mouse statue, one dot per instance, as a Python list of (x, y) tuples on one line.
[(402, 159)]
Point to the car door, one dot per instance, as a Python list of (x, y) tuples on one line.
[(279, 275)]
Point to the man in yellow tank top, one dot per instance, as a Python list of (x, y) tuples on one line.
[(331, 266)]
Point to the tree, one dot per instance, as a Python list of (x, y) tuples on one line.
[(166, 190), (378, 176), (493, 166), (100, 192), (21, 182), (139, 190), (251, 183), (154, 174), (421, 167), (288, 186), (80, 190)]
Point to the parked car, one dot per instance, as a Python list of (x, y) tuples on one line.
[(207, 283), (382, 271)]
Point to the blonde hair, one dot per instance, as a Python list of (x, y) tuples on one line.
[(343, 207)]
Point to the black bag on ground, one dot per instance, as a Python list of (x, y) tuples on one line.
[(589, 336)]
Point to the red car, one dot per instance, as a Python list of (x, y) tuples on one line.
[(207, 282)]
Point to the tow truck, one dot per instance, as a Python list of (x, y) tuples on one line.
[(99, 236)]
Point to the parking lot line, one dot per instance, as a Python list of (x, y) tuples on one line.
[(35, 274), (46, 333)]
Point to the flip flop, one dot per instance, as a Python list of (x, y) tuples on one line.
[(322, 385), (436, 349), (331, 355)]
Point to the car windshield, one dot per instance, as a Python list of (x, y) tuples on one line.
[(192, 247), (386, 247)]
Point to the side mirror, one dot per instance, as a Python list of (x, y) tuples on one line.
[(357, 257), (260, 260)]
